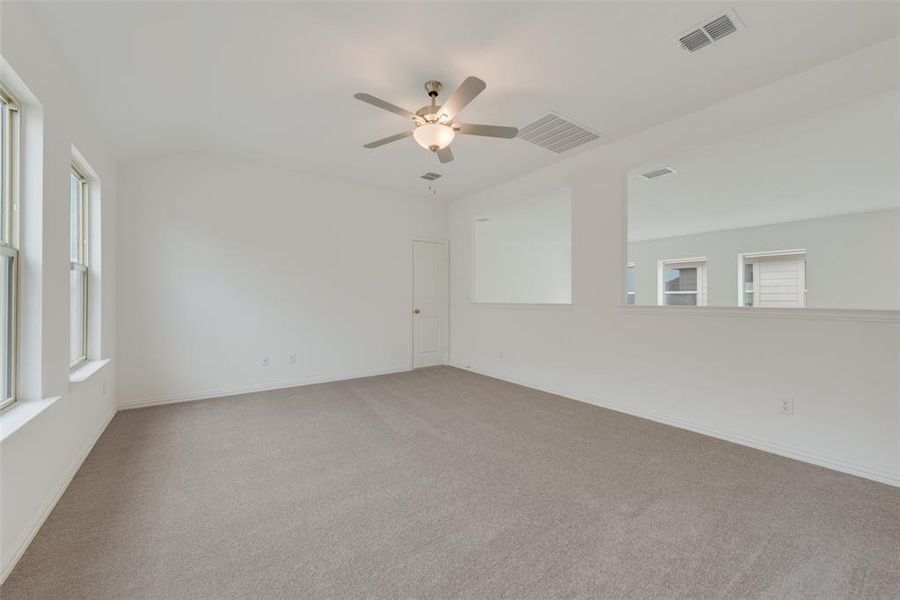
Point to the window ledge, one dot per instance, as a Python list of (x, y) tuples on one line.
[(85, 371), (818, 314), (20, 413)]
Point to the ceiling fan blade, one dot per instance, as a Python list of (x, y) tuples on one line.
[(388, 140), (369, 99), (488, 130), (445, 155), (465, 93)]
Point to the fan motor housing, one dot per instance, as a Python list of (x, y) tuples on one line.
[(430, 112)]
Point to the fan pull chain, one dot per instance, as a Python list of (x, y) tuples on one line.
[(431, 187)]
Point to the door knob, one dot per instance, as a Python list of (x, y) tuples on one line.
[(416, 311)]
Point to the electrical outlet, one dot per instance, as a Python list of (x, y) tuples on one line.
[(292, 358), (786, 406), (264, 361)]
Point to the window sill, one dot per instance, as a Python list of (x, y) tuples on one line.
[(816, 314), (20, 413), (85, 371)]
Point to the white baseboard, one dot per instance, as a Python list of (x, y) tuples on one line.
[(729, 436), (50, 503), (262, 387)]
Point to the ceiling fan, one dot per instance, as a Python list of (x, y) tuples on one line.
[(434, 123)]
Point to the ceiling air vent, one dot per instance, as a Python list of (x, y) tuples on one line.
[(556, 133), (657, 173), (694, 41), (720, 27), (715, 29), (431, 176)]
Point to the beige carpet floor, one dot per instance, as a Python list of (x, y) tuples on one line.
[(440, 483)]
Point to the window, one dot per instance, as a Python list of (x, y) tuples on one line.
[(630, 283), (78, 270), (773, 279), (682, 282), (9, 255)]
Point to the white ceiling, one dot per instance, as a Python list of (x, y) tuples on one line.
[(275, 81), (834, 162)]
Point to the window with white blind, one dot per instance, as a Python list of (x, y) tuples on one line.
[(773, 279), (78, 267), (682, 282), (631, 284), (9, 254)]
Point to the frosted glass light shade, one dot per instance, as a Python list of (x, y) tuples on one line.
[(434, 136)]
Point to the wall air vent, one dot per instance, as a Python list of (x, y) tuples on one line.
[(657, 173), (431, 176), (556, 133), (713, 30)]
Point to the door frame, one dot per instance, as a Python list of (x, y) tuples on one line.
[(412, 294)]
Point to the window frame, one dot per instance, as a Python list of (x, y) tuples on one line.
[(83, 262), (745, 257), (9, 197), (700, 263)]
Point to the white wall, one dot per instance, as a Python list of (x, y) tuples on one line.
[(691, 368), (523, 251), (222, 262), (48, 433), (852, 261)]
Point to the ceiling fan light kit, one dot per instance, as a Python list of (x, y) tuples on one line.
[(434, 136), (435, 128)]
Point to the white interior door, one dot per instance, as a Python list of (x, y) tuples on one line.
[(431, 303)]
